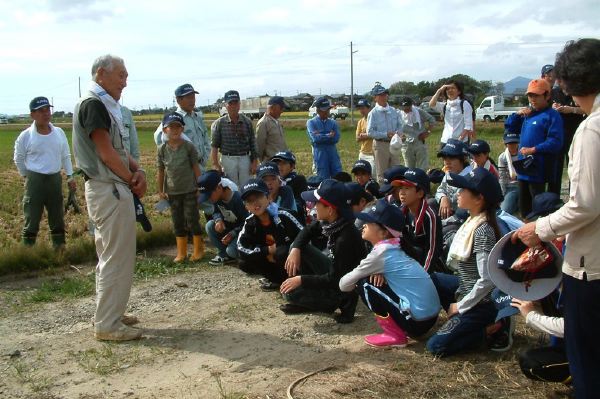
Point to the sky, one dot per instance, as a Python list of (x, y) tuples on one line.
[(269, 47)]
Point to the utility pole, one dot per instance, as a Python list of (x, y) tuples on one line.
[(352, 84), (79, 79)]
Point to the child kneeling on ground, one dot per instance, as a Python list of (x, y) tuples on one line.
[(406, 303), (313, 276), (263, 243), (178, 172)]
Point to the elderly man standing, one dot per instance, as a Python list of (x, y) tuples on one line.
[(417, 127), (41, 151), (130, 136), (579, 219), (195, 129), (269, 132), (233, 136), (111, 178), (383, 122)]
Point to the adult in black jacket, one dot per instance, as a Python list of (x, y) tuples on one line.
[(313, 283)]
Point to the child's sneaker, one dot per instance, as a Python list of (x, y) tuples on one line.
[(502, 340), (221, 260)]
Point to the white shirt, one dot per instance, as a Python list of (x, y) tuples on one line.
[(455, 120), (42, 153)]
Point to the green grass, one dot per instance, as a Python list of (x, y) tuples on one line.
[(64, 288)]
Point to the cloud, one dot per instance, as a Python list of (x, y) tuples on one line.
[(87, 10)]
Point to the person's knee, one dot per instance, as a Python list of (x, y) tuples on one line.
[(210, 227), (232, 251), (436, 346)]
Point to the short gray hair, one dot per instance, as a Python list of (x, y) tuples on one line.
[(107, 62)]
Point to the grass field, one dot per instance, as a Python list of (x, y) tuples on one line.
[(79, 242)]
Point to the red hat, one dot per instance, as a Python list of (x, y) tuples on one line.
[(538, 86)]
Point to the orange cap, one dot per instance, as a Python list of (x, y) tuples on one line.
[(538, 86)]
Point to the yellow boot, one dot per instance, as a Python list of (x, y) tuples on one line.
[(181, 249), (198, 249)]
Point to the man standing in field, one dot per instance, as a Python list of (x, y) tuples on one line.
[(269, 132), (41, 151), (111, 178), (366, 143), (130, 136), (233, 136), (195, 129), (324, 134)]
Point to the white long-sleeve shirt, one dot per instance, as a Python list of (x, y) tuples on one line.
[(42, 153), (549, 325), (455, 120)]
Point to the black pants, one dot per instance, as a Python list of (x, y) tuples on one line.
[(527, 191), (383, 301), (548, 364), (274, 272)]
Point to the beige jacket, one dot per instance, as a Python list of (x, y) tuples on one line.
[(579, 218), (269, 137)]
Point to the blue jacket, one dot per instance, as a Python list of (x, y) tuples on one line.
[(318, 131), (544, 131)]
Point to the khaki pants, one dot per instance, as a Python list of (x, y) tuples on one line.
[(415, 155), (110, 207), (236, 168), (383, 158)]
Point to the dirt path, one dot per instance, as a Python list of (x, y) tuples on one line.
[(212, 333)]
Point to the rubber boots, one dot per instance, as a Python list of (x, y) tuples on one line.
[(392, 334), (181, 249), (198, 249)]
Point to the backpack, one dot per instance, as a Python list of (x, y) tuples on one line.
[(462, 109)]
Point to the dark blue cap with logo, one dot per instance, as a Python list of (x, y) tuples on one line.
[(39, 102), (363, 165), (331, 193), (172, 117), (207, 183), (544, 204), (314, 181), (184, 90), (254, 186), (510, 137), (394, 173), (323, 103), (287, 156), (357, 192), (231, 95), (267, 169), (453, 148), (140, 214), (363, 102), (526, 166), (276, 100), (406, 102), (547, 69), (418, 178), (378, 89), (502, 302), (385, 214), (479, 180), (479, 147)]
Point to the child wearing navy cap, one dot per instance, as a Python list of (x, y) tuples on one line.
[(178, 172), (363, 176), (466, 296), (407, 304), (480, 153), (286, 161), (508, 174), (280, 194), (422, 229), (264, 241), (313, 279), (455, 156)]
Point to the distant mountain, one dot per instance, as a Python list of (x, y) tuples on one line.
[(518, 85)]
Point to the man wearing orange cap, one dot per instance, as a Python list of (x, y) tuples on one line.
[(541, 130)]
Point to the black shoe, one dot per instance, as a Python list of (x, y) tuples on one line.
[(267, 285), (502, 340), (344, 319), (347, 309), (290, 308)]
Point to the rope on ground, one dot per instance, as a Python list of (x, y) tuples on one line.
[(299, 380)]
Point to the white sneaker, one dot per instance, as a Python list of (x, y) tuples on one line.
[(123, 333)]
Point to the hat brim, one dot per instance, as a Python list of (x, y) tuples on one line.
[(324, 108), (506, 311), (366, 217), (459, 181), (309, 196), (363, 168), (203, 197), (187, 92), (386, 188), (277, 159), (403, 183), (538, 287), (535, 214), (246, 194)]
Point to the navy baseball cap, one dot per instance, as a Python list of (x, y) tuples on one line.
[(287, 156), (254, 186), (393, 173), (267, 169), (435, 175), (207, 183), (39, 102), (453, 148), (363, 102), (406, 102), (379, 89), (184, 90), (544, 204), (479, 180), (357, 192), (323, 104), (479, 147), (342, 176), (140, 214), (415, 177), (503, 302), (314, 181), (510, 137), (276, 100), (386, 214), (331, 193), (547, 69), (361, 164), (231, 95), (526, 166), (172, 117)]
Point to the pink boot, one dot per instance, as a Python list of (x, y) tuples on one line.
[(392, 334)]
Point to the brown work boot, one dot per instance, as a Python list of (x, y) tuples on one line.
[(123, 333), (198, 249)]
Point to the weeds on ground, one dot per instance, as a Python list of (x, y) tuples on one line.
[(223, 392), (27, 375), (64, 288), (108, 359)]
